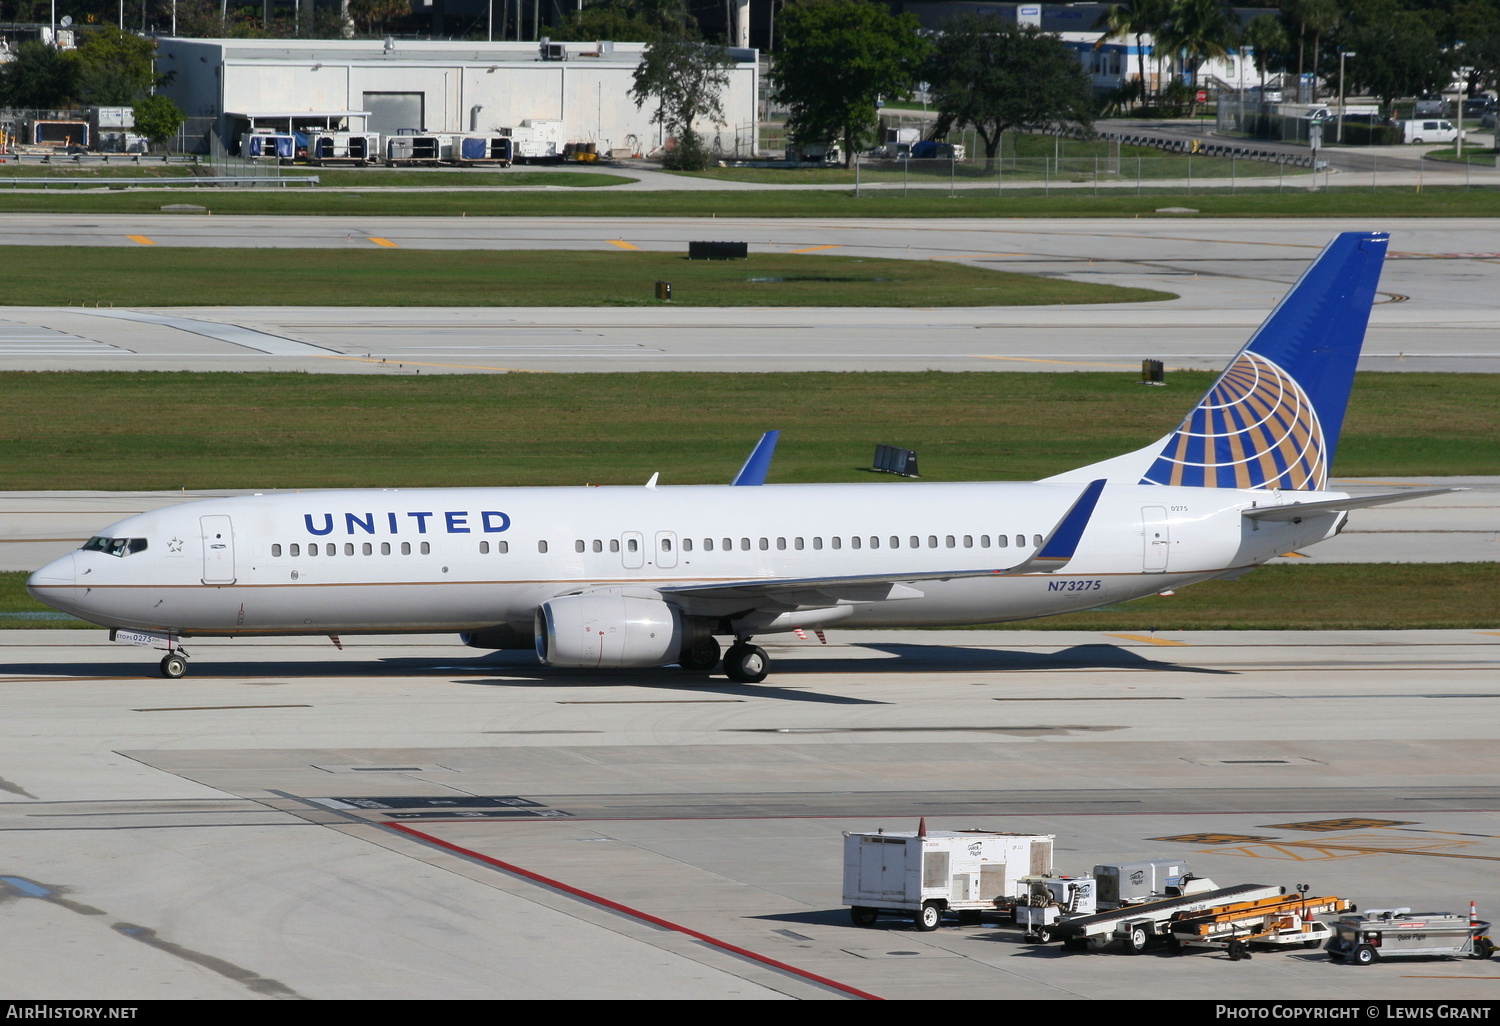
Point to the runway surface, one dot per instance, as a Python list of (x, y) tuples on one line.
[(1437, 309), (411, 819)]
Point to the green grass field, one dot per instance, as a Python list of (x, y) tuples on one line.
[(1346, 198), (186, 276), (263, 430), (1370, 596)]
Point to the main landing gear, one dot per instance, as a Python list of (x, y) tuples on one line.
[(745, 663)]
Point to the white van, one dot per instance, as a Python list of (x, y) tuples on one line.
[(1429, 130)]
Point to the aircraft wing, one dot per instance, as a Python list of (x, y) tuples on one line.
[(1295, 511), (1055, 552)]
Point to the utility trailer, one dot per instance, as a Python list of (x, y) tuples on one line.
[(536, 141), (413, 147), (1135, 926), (361, 148), (1366, 938), (1278, 921), (925, 874), (484, 148)]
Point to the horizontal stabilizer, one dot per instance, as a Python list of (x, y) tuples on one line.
[(1297, 510), (758, 462)]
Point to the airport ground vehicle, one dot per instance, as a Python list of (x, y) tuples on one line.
[(1279, 921), (925, 874), (1137, 926), (1370, 936)]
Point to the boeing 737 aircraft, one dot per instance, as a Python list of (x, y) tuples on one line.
[(649, 576)]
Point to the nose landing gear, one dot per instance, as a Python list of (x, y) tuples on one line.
[(174, 664)]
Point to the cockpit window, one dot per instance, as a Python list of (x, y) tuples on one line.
[(115, 546)]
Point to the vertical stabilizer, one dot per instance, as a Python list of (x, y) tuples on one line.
[(1272, 419)]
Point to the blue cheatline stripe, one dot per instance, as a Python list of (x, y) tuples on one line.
[(1063, 541)]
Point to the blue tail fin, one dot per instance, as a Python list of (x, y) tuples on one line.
[(1272, 419)]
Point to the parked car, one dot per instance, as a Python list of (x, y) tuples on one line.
[(1478, 106), (1429, 109), (1487, 120)]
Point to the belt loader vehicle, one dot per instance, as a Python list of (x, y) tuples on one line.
[(1400, 933), (1136, 926), (925, 874), (1279, 921)]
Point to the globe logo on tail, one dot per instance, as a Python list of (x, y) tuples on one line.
[(1256, 428)]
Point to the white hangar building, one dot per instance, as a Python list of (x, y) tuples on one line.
[(435, 86)]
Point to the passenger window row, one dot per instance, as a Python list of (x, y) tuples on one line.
[(120, 546), (932, 541), (294, 550)]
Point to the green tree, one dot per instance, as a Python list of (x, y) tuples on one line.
[(1138, 18), (1396, 52), (1476, 32), (157, 118), (1266, 38), (371, 16), (39, 76), (114, 67), (998, 76), (1198, 30), (835, 59), (685, 80)]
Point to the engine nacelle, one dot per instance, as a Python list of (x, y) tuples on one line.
[(608, 631)]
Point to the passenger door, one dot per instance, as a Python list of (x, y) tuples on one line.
[(218, 549)]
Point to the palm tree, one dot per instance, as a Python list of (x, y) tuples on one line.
[(1198, 30), (1264, 36), (1137, 18)]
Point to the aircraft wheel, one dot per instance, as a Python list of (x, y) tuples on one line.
[(700, 655), (746, 664), (173, 666)]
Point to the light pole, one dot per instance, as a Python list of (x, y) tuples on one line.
[(1339, 135)]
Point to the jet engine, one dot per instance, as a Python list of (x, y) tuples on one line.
[(608, 630)]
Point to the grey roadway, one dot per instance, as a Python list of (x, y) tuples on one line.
[(1439, 307), (410, 819)]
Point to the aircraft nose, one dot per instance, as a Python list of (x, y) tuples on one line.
[(54, 581)]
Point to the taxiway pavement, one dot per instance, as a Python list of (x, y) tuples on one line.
[(1437, 309), (407, 818)]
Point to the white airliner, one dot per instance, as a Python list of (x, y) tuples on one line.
[(649, 576)]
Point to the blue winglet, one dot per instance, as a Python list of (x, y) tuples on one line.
[(758, 462), (1272, 418), (1059, 546)]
